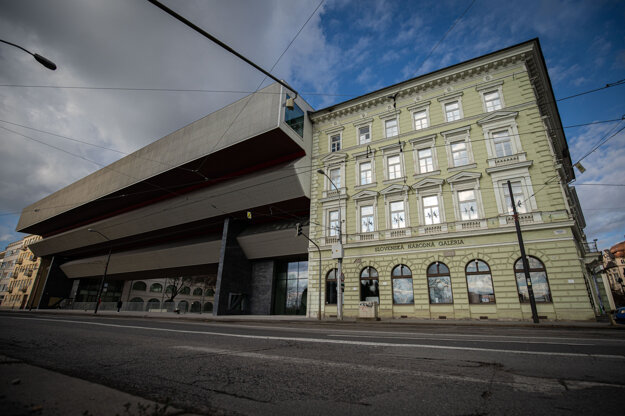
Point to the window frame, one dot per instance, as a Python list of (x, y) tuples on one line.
[(521, 272), (464, 181), (332, 142), (426, 118), (333, 291), (386, 121), (368, 277), (361, 217), (455, 136), (491, 297), (391, 151), (403, 211), (490, 87), (439, 275), (420, 144), (402, 276), (359, 135)]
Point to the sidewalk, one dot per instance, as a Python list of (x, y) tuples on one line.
[(30, 390), (294, 319)]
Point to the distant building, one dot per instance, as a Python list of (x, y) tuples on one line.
[(19, 272), (194, 296), (614, 267)]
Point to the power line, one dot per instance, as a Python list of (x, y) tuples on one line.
[(610, 85)]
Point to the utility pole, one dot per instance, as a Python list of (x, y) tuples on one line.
[(300, 232), (526, 267)]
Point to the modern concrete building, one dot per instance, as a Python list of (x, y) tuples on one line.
[(417, 173), (216, 198)]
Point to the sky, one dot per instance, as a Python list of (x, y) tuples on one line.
[(129, 74)]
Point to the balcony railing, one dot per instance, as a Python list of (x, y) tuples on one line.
[(590, 247), (523, 218)]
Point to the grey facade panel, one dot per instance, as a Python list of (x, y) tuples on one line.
[(270, 186), (144, 260), (246, 118)]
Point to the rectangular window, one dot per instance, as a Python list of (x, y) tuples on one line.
[(394, 167), (426, 162), (503, 143), (398, 216), (366, 219), (335, 143), (519, 198), (452, 111), (459, 153), (492, 101), (364, 134), (335, 176), (420, 120), (295, 118), (390, 126), (333, 217), (431, 212), (468, 205), (366, 173)]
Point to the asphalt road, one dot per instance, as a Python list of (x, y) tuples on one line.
[(324, 368)]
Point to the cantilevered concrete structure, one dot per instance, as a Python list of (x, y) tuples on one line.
[(218, 197)]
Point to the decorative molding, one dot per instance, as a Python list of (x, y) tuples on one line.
[(421, 105), (488, 85), (363, 122), (334, 130), (394, 189), (428, 183), (390, 114), (457, 130), (365, 195), (334, 157), (497, 116), (450, 97), (460, 168), (422, 140), (464, 176)]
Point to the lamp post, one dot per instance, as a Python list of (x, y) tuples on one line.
[(42, 60), (298, 226), (337, 252), (108, 257)]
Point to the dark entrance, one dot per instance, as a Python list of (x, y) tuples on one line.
[(291, 288)]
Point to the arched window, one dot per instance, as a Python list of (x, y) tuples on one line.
[(209, 292), (169, 305), (402, 285), (135, 304), (140, 286), (196, 306), (197, 291), (183, 305), (439, 283), (169, 289), (208, 307), (153, 304), (331, 287), (185, 290), (156, 287), (479, 282), (538, 274), (369, 285)]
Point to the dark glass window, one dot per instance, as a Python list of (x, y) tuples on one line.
[(141, 286), (369, 285), (331, 287), (439, 283), (538, 275), (156, 287), (295, 119), (185, 290), (479, 282), (197, 291), (291, 289), (402, 285)]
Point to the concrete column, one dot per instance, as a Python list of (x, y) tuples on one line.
[(234, 273)]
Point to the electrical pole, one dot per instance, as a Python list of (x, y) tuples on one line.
[(526, 267), (300, 232)]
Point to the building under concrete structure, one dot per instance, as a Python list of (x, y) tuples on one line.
[(218, 198)]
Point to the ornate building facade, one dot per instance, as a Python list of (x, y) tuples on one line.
[(416, 176)]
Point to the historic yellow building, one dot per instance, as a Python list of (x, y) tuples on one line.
[(416, 176), (22, 272)]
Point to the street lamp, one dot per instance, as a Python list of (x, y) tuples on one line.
[(337, 252), (42, 60), (97, 305)]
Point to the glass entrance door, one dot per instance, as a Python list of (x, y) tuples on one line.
[(291, 288)]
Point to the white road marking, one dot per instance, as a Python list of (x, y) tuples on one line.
[(374, 335), (518, 383), (332, 341)]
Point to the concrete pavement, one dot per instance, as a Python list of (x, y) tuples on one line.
[(204, 317), (29, 390)]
